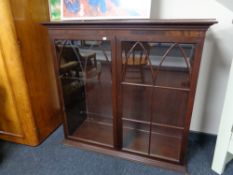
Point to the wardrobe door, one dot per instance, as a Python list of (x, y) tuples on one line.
[(9, 120), (85, 74)]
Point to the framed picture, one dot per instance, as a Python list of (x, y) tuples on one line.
[(105, 9), (55, 9)]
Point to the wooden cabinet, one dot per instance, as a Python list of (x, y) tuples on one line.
[(128, 87), (29, 105)]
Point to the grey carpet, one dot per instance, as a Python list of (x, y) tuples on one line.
[(54, 158)]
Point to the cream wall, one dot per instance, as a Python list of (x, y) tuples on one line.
[(216, 59)]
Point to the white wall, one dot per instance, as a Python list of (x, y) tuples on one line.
[(216, 58), (227, 3)]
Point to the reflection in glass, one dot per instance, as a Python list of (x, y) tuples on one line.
[(136, 118), (165, 142), (154, 92), (135, 56), (136, 137), (159, 64), (85, 74), (169, 107)]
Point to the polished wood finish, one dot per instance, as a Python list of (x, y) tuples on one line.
[(37, 62), (16, 121), (150, 116), (31, 109)]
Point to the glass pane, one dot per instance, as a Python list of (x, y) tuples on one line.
[(165, 142), (136, 137), (136, 67), (172, 63), (169, 107), (136, 102), (159, 64), (136, 117), (85, 73)]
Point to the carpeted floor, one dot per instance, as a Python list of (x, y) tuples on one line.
[(54, 158)]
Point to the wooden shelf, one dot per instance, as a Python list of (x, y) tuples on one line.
[(162, 145), (95, 132), (153, 123), (165, 147), (136, 141), (166, 79)]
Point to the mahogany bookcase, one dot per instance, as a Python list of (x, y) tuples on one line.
[(127, 87)]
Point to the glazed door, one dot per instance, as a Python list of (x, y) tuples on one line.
[(154, 83), (85, 74)]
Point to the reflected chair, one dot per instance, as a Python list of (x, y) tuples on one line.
[(135, 56), (74, 70), (86, 66)]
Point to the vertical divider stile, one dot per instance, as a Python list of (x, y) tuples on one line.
[(117, 96), (151, 116), (114, 101)]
